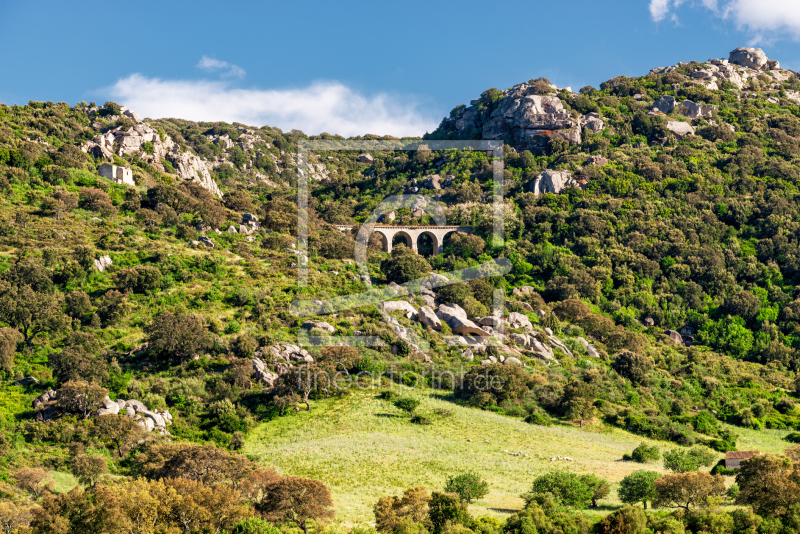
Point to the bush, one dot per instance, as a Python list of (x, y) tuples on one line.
[(793, 437), (632, 366), (407, 404), (685, 461), (569, 489), (645, 453), (627, 520), (404, 265)]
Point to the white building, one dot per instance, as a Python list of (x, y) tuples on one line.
[(121, 175)]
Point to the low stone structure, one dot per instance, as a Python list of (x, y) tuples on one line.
[(733, 459), (120, 175)]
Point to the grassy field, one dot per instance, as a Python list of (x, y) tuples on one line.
[(363, 447)]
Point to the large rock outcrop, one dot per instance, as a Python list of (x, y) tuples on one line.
[(531, 119), (551, 181), (149, 420), (457, 320), (145, 142), (753, 58)]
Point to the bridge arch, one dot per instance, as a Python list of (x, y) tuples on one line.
[(435, 242), (403, 235), (412, 234)]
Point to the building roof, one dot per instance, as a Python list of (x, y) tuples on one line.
[(740, 455)]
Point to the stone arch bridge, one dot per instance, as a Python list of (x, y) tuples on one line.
[(411, 234)]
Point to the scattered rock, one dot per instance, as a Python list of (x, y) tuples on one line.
[(399, 305), (597, 161), (517, 320), (457, 319), (428, 317), (675, 337), (695, 111), (680, 129), (321, 325), (665, 104), (102, 263)]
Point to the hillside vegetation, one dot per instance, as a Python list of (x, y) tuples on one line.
[(149, 356)]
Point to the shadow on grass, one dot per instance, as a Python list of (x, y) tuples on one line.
[(392, 415), (504, 510), (447, 397), (603, 508)]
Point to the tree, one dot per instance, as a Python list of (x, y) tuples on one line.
[(465, 245), (31, 312), (255, 525), (407, 404), (80, 359), (684, 461), (80, 512), (391, 511), (9, 339), (149, 505), (34, 480), (743, 304), (446, 508), (632, 366), (177, 335), (254, 485), (627, 520), (297, 500), (204, 508), (493, 383), (600, 488), (95, 199), (645, 453), (208, 464), (639, 486), (88, 469), (769, 483), (81, 397), (118, 429), (77, 304), (113, 307), (687, 490), (404, 265), (59, 201), (578, 401), (469, 486), (567, 488), (13, 516)]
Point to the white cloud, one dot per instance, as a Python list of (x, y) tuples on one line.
[(659, 9), (230, 70), (321, 107), (763, 19)]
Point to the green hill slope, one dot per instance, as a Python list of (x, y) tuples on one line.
[(363, 447)]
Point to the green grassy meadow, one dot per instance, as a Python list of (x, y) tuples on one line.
[(363, 447)]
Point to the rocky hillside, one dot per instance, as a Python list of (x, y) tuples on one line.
[(149, 321), (529, 114)]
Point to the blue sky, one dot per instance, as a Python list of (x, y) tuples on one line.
[(355, 67)]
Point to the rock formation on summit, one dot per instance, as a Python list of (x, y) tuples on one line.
[(145, 142)]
